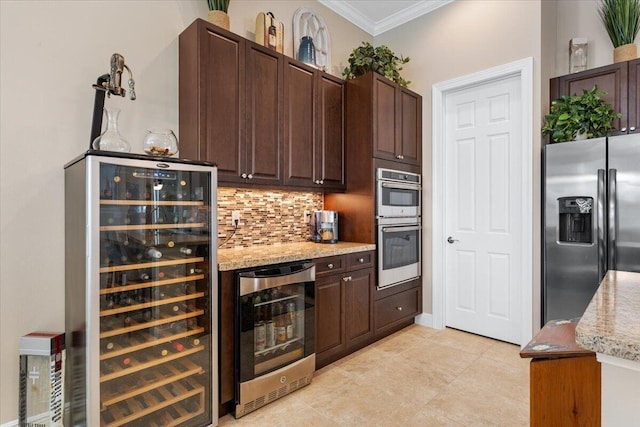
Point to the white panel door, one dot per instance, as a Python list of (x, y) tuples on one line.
[(483, 209)]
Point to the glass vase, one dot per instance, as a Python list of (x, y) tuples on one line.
[(160, 142), (110, 139)]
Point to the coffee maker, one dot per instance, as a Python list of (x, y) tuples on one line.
[(324, 226)]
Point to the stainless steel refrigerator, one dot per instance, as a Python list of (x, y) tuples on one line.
[(591, 219)]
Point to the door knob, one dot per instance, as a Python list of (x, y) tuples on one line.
[(451, 239)]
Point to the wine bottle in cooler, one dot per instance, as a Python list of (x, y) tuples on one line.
[(291, 320), (259, 330), (153, 253)]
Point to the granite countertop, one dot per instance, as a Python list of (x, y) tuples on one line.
[(611, 323), (236, 258)]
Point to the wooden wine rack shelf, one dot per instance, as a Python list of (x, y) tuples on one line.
[(152, 202), (147, 341), (150, 283), (154, 379), (150, 323), (154, 303), (136, 367), (151, 226), (133, 409), (151, 264)]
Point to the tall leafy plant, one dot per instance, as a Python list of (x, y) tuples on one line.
[(222, 5), (586, 114), (621, 18), (380, 59)]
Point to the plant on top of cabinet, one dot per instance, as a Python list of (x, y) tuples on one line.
[(218, 13), (621, 19), (381, 59), (579, 117)]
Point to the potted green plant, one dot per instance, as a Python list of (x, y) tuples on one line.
[(579, 117), (621, 18), (218, 13), (380, 59)]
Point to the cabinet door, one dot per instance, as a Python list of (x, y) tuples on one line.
[(299, 120), (410, 142), (330, 147), (264, 122), (329, 317), (358, 289), (385, 112), (634, 96), (223, 75), (611, 79)]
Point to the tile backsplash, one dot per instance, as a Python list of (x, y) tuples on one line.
[(266, 216)]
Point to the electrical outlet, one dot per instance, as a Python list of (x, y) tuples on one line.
[(235, 218), (307, 216)]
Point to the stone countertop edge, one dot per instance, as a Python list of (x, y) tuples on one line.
[(611, 323), (254, 256)]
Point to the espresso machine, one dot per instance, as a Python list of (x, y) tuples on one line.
[(324, 226)]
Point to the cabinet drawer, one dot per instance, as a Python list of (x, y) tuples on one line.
[(330, 265), (360, 260), (396, 307)]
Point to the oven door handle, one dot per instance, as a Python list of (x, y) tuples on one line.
[(401, 228), (400, 185)]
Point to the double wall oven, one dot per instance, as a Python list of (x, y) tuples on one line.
[(398, 214)]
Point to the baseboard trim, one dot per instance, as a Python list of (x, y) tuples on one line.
[(425, 319), (13, 423)]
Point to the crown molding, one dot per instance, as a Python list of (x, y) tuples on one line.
[(375, 28)]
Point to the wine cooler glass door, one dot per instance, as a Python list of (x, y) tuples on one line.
[(155, 296), (275, 322)]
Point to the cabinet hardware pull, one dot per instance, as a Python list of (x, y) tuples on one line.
[(347, 279), (250, 176), (632, 128), (361, 260), (399, 308), (322, 181), (623, 129), (244, 175), (329, 266)]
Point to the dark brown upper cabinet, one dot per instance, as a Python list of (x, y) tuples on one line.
[(263, 118), (211, 102), (395, 115), (314, 128), (230, 104), (619, 81)]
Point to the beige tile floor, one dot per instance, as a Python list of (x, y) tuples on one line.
[(416, 377)]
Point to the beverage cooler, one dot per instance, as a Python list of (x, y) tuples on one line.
[(141, 291), (275, 320)]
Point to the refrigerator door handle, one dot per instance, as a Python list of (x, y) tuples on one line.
[(612, 219), (600, 209)]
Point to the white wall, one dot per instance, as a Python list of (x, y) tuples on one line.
[(579, 18), (461, 38), (50, 55)]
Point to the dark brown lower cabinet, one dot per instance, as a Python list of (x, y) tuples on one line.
[(344, 305), (396, 310)]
